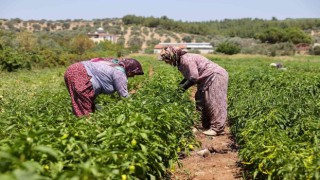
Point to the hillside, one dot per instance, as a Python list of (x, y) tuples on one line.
[(150, 34), (147, 36), (141, 34)]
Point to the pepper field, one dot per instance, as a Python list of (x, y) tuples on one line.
[(273, 114)]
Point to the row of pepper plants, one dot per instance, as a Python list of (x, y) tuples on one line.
[(134, 138), (274, 116)]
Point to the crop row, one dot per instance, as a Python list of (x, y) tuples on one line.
[(274, 116), (134, 138)]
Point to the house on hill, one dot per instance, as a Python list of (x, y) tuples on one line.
[(315, 33), (203, 48), (101, 35), (316, 44), (302, 48)]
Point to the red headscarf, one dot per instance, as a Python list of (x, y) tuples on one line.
[(131, 66)]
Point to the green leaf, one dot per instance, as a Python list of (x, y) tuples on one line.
[(143, 148), (7, 177), (27, 175), (32, 166), (120, 119), (144, 136), (47, 150), (6, 155), (101, 134)]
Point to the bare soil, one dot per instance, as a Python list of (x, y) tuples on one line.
[(220, 164)]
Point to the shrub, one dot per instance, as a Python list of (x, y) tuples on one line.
[(228, 48), (11, 60), (315, 50), (149, 50), (187, 39)]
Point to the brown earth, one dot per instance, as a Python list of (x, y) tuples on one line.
[(221, 163)]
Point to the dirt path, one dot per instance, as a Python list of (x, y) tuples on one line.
[(220, 164)]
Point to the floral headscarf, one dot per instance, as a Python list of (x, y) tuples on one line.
[(172, 54), (131, 66)]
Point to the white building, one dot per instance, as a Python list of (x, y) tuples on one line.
[(316, 44), (203, 48), (101, 35)]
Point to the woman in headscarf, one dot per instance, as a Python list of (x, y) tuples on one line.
[(85, 80), (278, 66), (212, 86)]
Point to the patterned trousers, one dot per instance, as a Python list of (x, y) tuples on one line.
[(211, 101), (80, 89)]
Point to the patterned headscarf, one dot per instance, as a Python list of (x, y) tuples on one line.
[(173, 54), (131, 66)]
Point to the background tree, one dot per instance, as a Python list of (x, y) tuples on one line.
[(153, 42), (12, 60), (187, 39), (297, 36), (315, 50), (36, 27), (135, 43), (277, 35), (81, 43), (271, 35), (151, 22), (228, 48), (168, 40), (66, 25), (121, 40), (27, 41), (107, 48)]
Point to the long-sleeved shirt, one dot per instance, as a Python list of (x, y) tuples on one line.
[(106, 79), (197, 68)]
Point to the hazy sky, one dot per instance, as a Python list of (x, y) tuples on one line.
[(185, 10)]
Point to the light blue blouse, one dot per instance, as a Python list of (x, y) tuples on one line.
[(106, 79)]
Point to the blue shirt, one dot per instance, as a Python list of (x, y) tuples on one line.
[(106, 79)]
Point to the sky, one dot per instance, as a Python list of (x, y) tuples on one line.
[(183, 10)]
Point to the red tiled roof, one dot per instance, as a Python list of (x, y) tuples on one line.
[(160, 46), (302, 47)]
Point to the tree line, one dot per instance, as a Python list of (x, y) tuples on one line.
[(20, 48), (244, 28), (287, 33), (27, 50)]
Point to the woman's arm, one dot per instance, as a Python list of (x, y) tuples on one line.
[(121, 84)]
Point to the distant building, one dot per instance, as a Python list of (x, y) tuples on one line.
[(316, 44), (101, 35), (203, 48), (315, 33), (302, 48)]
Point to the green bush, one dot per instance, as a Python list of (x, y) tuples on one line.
[(315, 50), (149, 50), (228, 48), (11, 60)]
